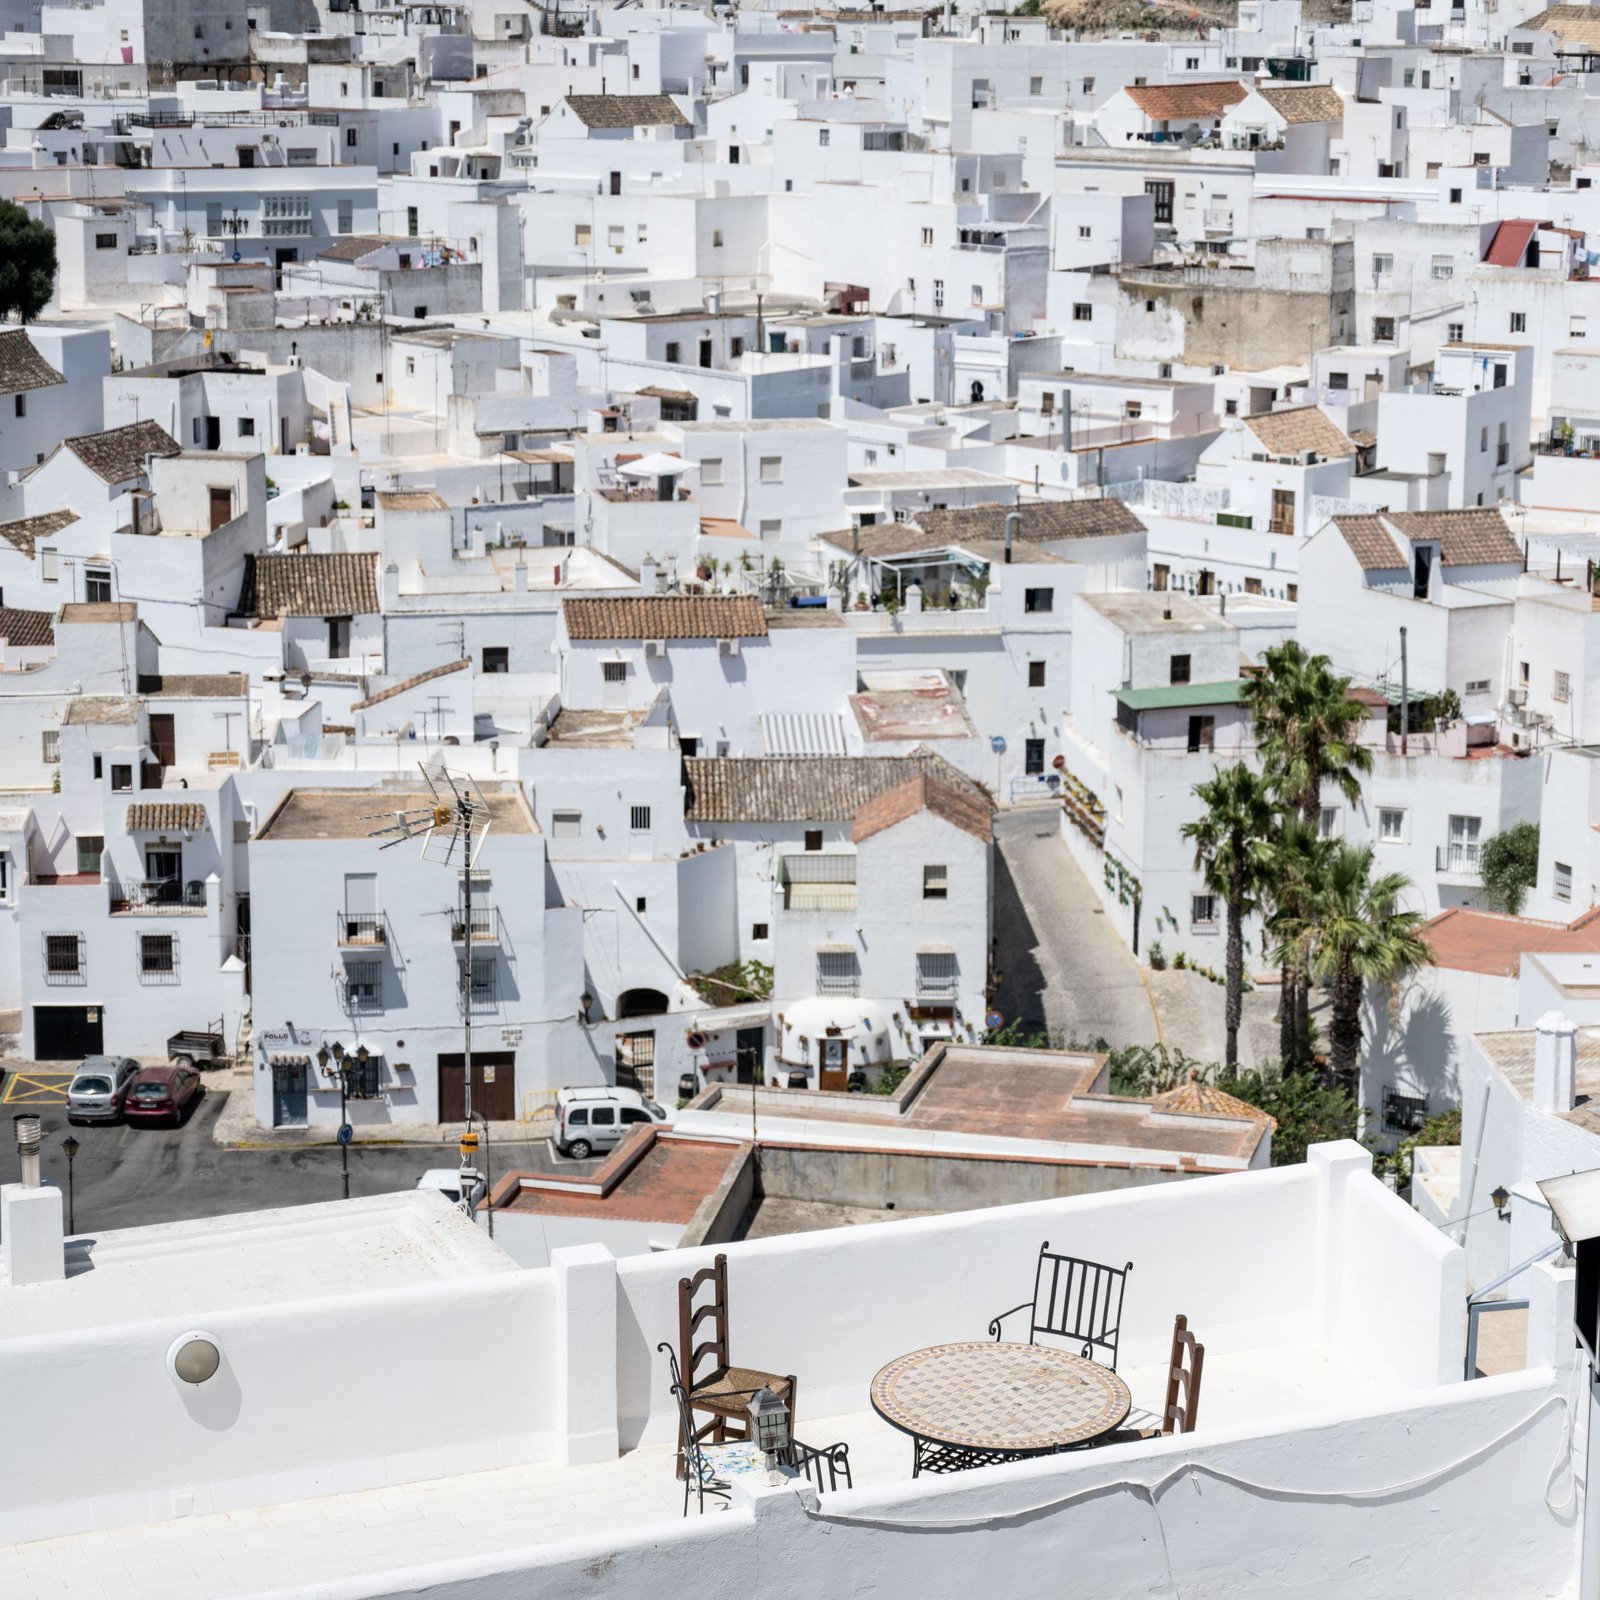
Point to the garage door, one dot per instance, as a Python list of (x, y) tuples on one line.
[(494, 1086), (67, 1033)]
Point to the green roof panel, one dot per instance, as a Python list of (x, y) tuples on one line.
[(1173, 696)]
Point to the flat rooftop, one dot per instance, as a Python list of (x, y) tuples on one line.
[(256, 1259), (595, 730), (1167, 612), (356, 813), (913, 713), (665, 1184)]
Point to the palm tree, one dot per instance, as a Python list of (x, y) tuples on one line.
[(1299, 864), (1357, 935), (1232, 849), (1306, 727)]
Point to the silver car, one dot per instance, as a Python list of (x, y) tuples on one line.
[(99, 1087)]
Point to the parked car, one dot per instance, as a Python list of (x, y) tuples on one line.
[(99, 1087), (600, 1118), (163, 1094), (447, 1180)]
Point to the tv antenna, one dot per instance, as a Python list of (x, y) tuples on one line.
[(451, 830)]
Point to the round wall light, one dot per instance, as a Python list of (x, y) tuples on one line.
[(194, 1358)]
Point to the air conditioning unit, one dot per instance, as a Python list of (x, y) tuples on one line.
[(727, 647), (655, 647), (1517, 697)]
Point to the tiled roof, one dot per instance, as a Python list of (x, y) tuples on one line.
[(806, 788), (119, 454), (1509, 247), (194, 685), (1474, 536), (409, 683), (26, 532), (156, 816), (732, 616), (1491, 944), (1371, 543), (1299, 429), (1577, 28), (627, 110), (1043, 522), (1311, 102), (1174, 102), (26, 628), (335, 584), (354, 249), (961, 808), (1198, 1099), (21, 365)]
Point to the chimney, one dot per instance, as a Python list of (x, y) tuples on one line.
[(1555, 1062), (1013, 522), (649, 578), (31, 1227), (391, 582), (519, 576)]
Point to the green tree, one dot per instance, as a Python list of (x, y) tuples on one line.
[(1233, 850), (1307, 727), (1509, 863), (1299, 861), (1355, 933), (27, 263), (1307, 1109)]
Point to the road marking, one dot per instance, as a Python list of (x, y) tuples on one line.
[(37, 1088)]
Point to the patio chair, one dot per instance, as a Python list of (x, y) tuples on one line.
[(1076, 1300), (712, 1384), (826, 1469), (1178, 1415), (705, 1469)]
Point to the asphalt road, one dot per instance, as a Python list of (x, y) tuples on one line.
[(1062, 965), (127, 1177)]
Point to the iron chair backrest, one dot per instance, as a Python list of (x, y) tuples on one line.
[(697, 1478), (1176, 1416), (825, 1469), (690, 1316), (1076, 1300)]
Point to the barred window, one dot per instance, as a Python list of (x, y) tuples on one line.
[(157, 955), (63, 954), (50, 746), (837, 972), (639, 819), (936, 972), (483, 983), (935, 882), (364, 985)]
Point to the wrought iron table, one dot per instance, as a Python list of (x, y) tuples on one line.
[(971, 1405)]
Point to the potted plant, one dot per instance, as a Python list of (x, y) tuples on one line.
[(1180, 961), (1158, 957)]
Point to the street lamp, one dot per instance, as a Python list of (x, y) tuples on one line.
[(234, 225), (323, 1059), (70, 1148)]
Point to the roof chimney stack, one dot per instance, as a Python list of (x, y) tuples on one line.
[(31, 1229), (1555, 1062)]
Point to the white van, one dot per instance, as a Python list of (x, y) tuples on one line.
[(588, 1120)]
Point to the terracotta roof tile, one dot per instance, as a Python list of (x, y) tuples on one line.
[(627, 110), (734, 616), (1472, 536), (960, 808), (807, 788), (1576, 27), (21, 366), (118, 455), (332, 584), (409, 683), (26, 629), (1174, 102), (165, 816), (1043, 522), (1371, 543), (1199, 1099), (1486, 942), (26, 532), (194, 685), (1509, 247), (1312, 102), (1298, 430)]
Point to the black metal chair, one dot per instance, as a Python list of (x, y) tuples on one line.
[(1075, 1300), (825, 1469)]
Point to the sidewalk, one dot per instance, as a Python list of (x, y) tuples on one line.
[(237, 1129)]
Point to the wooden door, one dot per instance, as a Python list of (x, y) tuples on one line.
[(221, 505), (835, 1065), (163, 738), (494, 1086)]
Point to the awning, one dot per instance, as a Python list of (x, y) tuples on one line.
[(836, 949), (803, 733), (1175, 696), (734, 1017), (936, 949), (278, 1059)]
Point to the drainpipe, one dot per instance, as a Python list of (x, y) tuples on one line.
[(1405, 695)]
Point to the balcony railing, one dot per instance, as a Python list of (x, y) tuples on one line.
[(158, 897), (485, 925), (361, 930), (1460, 858)]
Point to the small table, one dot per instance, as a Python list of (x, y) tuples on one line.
[(974, 1404)]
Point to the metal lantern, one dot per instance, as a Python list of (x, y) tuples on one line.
[(769, 1423)]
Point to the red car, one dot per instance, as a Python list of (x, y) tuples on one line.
[(162, 1094)]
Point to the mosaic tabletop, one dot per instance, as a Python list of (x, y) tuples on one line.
[(989, 1396)]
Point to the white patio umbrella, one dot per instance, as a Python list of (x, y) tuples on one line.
[(657, 465)]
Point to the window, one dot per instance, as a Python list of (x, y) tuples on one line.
[(158, 955), (1202, 734), (582, 235), (1577, 328), (1328, 823), (50, 746), (759, 932), (1036, 674), (641, 904), (97, 585), (1252, 586), (5, 878), (1454, 332), (1561, 887), (1383, 330), (613, 671), (1519, 321), (121, 779), (837, 972), (823, 135), (1088, 85), (49, 563), (1477, 686), (496, 658), (350, 137), (483, 983), (935, 883), (1203, 910), (1443, 267), (1382, 266), (1483, 441), (1160, 577), (672, 352), (1563, 687), (1160, 190), (1133, 409), (91, 847), (1391, 825), (1038, 599), (1455, 197), (1523, 674), (1403, 1113), (247, 427), (716, 238), (364, 986), (772, 469), (1291, 592), (1178, 669), (927, 236), (1035, 85), (1282, 512), (21, 406), (63, 956), (936, 973), (566, 824), (639, 819), (770, 527), (1082, 312), (1085, 231), (813, 839), (1033, 757)]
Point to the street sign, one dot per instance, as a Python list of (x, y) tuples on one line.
[(346, 1133), (997, 743), (994, 1020)]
